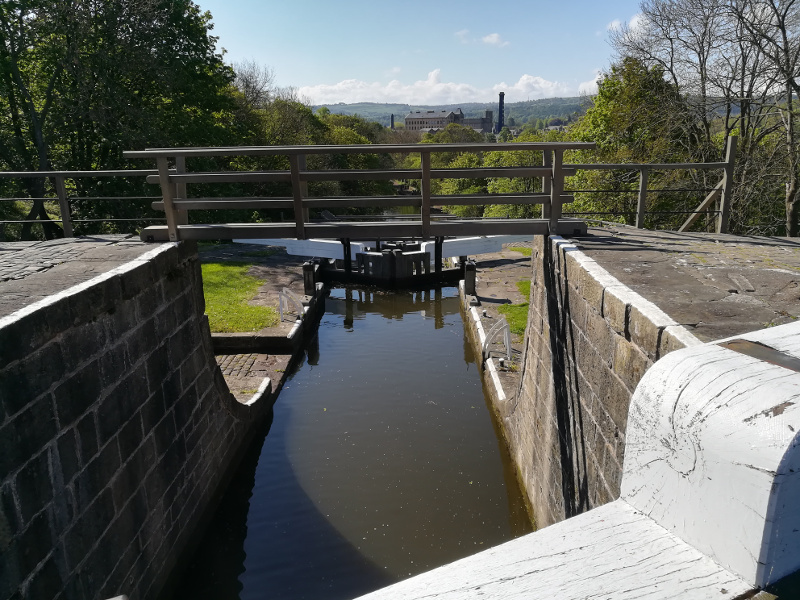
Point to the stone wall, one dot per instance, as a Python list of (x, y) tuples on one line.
[(116, 430), (588, 342)]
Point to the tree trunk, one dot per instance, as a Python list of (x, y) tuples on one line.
[(792, 212), (38, 212)]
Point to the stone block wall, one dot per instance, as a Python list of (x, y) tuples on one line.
[(116, 429), (588, 341)]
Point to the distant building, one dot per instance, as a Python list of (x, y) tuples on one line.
[(430, 121)]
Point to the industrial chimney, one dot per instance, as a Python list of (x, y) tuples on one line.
[(500, 114), (392, 121)]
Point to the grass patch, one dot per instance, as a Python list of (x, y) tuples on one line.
[(521, 249), (228, 288), (516, 315)]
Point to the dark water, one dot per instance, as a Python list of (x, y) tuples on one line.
[(381, 462)]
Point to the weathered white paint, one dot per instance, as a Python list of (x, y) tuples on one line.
[(315, 248), (712, 454), (710, 491), (333, 249), (470, 246), (490, 366), (613, 552), (264, 390)]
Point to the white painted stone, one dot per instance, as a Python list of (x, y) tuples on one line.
[(264, 390), (490, 366), (685, 337), (474, 245), (315, 248), (613, 552), (712, 454), (614, 286), (333, 249)]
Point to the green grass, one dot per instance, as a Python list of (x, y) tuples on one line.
[(521, 250), (516, 315), (524, 287), (228, 289)]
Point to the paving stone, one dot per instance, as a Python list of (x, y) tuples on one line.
[(30, 271)]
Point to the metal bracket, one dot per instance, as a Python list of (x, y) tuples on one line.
[(289, 298), (501, 327)]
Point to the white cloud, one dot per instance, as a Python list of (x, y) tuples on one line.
[(634, 23), (590, 87), (494, 39), (531, 87), (637, 21), (433, 90), (462, 36)]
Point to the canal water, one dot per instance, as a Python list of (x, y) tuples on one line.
[(382, 461)]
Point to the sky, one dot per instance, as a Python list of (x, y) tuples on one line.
[(423, 52)]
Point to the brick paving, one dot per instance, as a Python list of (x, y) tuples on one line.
[(244, 372)]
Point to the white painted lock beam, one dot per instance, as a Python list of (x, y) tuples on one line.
[(333, 249)]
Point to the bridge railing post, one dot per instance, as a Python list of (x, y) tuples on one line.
[(182, 216), (297, 164), (547, 162), (727, 186), (167, 194), (63, 203), (557, 188), (425, 192), (641, 206)]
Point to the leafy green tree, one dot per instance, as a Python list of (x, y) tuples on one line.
[(461, 186), (81, 82), (637, 117), (504, 135)]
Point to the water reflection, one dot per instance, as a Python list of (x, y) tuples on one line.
[(382, 461)]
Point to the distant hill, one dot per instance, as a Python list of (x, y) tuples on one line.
[(521, 112)]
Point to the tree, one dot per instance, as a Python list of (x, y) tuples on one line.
[(773, 27), (256, 82), (637, 116), (734, 63), (81, 82)]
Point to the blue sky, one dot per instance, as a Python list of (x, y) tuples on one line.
[(420, 52)]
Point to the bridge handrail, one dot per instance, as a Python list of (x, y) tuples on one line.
[(59, 178), (173, 178), (175, 201)]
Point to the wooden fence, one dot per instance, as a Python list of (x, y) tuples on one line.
[(176, 202)]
